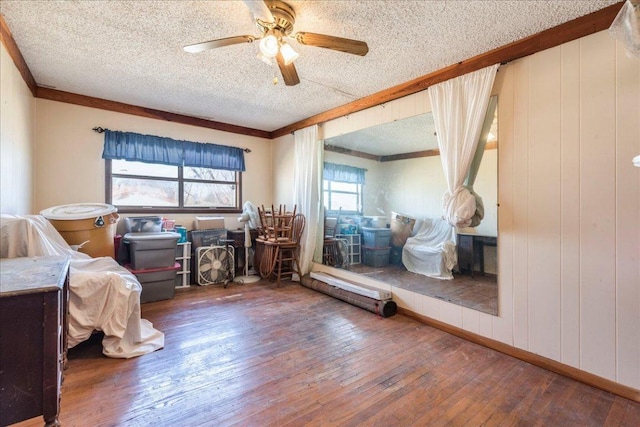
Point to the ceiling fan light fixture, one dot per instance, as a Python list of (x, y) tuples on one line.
[(275, 20), (288, 53), (264, 58), (269, 46)]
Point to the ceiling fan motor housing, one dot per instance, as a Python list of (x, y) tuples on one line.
[(284, 17)]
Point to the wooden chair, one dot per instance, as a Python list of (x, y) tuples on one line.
[(276, 227), (331, 225), (284, 253), (330, 251)]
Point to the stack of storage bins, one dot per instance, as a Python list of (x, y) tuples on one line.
[(152, 255), (376, 249)]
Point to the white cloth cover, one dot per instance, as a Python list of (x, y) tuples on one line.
[(432, 251), (103, 295), (307, 194), (459, 106)]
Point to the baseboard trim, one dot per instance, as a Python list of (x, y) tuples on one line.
[(526, 356)]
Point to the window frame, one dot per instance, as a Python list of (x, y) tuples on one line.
[(173, 210), (359, 202)]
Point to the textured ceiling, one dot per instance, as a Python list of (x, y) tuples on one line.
[(417, 133), (408, 135), (131, 51)]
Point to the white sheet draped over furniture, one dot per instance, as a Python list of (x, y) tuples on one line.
[(103, 295), (432, 251)]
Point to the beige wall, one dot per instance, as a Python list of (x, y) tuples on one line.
[(69, 167), (569, 215), (17, 111), (283, 150)]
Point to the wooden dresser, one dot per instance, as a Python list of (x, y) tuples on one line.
[(34, 296)]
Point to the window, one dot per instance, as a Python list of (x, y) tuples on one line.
[(136, 187), (345, 195), (342, 188)]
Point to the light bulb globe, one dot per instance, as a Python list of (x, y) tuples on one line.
[(288, 54), (269, 46)]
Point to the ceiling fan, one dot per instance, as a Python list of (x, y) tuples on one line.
[(275, 20)]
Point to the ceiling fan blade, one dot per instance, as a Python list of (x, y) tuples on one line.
[(355, 47), (289, 73), (260, 10), (212, 44)]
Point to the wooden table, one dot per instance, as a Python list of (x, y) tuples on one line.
[(470, 247), (34, 296)]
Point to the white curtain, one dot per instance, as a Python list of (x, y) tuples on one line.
[(459, 106), (306, 189)]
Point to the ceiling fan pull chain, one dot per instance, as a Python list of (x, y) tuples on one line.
[(275, 74)]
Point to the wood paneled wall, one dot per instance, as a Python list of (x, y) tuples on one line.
[(569, 216), (570, 206)]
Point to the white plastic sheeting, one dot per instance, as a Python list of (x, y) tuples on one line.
[(626, 27), (432, 251), (103, 295)]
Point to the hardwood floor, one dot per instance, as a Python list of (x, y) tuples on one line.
[(478, 292), (257, 355)]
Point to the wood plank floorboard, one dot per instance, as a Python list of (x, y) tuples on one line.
[(258, 355), (478, 292)]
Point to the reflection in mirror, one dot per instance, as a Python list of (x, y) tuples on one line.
[(383, 185)]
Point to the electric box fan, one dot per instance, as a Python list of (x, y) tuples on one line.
[(215, 265)]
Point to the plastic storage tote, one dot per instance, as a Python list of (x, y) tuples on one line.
[(376, 237), (151, 250), (375, 257)]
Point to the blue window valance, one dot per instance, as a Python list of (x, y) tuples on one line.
[(343, 173), (166, 151)]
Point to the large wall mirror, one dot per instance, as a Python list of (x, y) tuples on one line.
[(397, 184)]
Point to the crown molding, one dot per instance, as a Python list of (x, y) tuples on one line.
[(134, 110)]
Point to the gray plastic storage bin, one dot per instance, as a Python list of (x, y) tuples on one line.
[(157, 284), (376, 237), (151, 250), (212, 237), (143, 224), (375, 257)]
